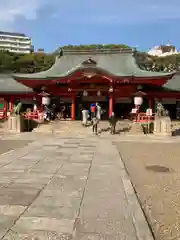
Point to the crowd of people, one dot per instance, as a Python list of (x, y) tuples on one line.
[(93, 115), (90, 117)]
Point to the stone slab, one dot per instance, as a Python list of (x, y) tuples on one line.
[(67, 187)]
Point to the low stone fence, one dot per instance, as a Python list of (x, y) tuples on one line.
[(162, 126), (18, 123)]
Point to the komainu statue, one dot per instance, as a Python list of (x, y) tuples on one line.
[(161, 111), (17, 109)]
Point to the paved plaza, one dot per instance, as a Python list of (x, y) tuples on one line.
[(67, 188), (154, 169)]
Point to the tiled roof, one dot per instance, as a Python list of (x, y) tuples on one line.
[(174, 83), (9, 85), (118, 62)]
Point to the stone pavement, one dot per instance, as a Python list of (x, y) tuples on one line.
[(68, 188), (154, 169), (75, 128)]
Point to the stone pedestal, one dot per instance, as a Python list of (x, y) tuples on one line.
[(162, 126), (16, 123)]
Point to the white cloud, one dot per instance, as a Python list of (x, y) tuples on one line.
[(10, 9), (89, 12)]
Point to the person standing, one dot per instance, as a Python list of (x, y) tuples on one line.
[(95, 125), (98, 111), (47, 113), (113, 122), (93, 110), (53, 111)]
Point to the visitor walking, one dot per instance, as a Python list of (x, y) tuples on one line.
[(98, 111), (53, 112), (93, 110), (95, 125), (113, 122), (47, 113)]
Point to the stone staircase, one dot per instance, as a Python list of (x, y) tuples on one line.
[(44, 128), (75, 128), (136, 129), (71, 128), (64, 128)]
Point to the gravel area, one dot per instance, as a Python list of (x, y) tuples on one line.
[(7, 145), (154, 169)]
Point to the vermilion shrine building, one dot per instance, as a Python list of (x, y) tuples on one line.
[(108, 76)]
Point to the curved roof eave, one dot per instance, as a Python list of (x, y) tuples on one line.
[(107, 73)]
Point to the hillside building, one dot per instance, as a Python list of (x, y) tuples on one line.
[(15, 42)]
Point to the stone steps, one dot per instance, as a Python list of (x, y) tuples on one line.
[(136, 129), (43, 128)]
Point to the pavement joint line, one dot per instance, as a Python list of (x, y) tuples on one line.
[(135, 207), (21, 155), (36, 196), (8, 152), (84, 190)]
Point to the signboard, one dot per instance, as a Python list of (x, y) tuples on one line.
[(94, 98), (124, 100), (168, 101), (149, 112)]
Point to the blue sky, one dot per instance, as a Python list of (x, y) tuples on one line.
[(54, 23)]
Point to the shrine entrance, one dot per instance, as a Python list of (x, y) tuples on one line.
[(85, 102)]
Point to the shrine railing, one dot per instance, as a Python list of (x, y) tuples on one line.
[(143, 118), (33, 115), (3, 114)]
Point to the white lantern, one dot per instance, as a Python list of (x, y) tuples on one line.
[(85, 93), (35, 108), (45, 100), (99, 93), (138, 101), (111, 89)]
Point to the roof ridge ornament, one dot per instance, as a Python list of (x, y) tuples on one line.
[(97, 51), (89, 62)]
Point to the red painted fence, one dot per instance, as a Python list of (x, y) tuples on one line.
[(143, 118)]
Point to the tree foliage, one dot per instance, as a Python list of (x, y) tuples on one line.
[(95, 46), (40, 61), (28, 63), (159, 64)]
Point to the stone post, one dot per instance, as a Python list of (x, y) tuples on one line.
[(162, 126), (16, 123)]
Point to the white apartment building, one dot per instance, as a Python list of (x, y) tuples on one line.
[(15, 42), (163, 50)]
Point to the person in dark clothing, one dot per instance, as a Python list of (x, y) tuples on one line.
[(113, 122), (53, 111)]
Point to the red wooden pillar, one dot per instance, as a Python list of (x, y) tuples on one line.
[(151, 103), (5, 109), (110, 104), (10, 105), (73, 108)]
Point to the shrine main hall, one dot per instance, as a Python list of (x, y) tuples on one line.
[(80, 77)]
